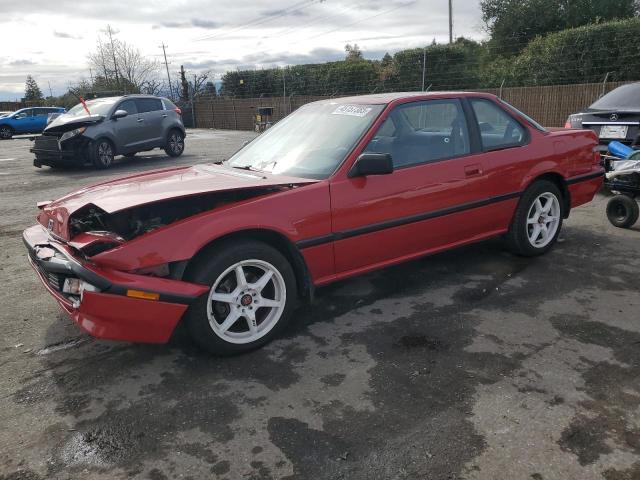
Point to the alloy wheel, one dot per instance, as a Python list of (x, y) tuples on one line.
[(105, 153), (5, 133), (246, 301), (176, 143), (543, 220)]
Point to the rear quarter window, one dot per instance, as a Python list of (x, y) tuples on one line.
[(148, 105)]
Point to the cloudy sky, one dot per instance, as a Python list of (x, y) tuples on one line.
[(50, 39)]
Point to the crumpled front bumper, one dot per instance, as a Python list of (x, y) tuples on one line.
[(111, 312)]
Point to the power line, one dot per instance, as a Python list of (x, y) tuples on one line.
[(259, 21)]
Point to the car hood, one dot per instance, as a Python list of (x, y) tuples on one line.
[(156, 186), (64, 122)]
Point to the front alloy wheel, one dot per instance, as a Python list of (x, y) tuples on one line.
[(253, 293), (246, 301), (103, 154), (5, 133)]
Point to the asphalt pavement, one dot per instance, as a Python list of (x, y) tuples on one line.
[(472, 364)]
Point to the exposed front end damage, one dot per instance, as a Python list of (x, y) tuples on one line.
[(93, 231), (105, 303), (64, 144), (110, 254)]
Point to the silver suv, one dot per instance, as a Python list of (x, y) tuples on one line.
[(95, 131)]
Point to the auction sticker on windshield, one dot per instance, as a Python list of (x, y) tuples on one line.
[(353, 110)]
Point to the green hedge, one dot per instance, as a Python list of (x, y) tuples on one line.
[(579, 55)]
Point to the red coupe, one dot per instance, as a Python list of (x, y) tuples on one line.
[(338, 188)]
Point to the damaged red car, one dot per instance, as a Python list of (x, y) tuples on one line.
[(338, 188)]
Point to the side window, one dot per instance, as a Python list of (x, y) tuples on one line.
[(498, 129), (148, 105), (128, 106), (423, 132), (40, 112), (24, 114)]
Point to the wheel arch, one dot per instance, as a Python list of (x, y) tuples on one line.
[(562, 185), (271, 238)]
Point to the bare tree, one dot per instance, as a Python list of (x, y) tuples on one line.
[(122, 66), (199, 82)]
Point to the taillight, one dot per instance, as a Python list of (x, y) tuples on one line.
[(178, 111), (568, 124)]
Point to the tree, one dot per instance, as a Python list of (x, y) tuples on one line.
[(353, 52), (32, 92), (122, 67), (184, 85), (210, 88), (512, 24)]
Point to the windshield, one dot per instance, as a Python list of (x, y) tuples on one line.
[(99, 106), (626, 97), (309, 143)]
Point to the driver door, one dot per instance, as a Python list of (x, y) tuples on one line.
[(421, 206), (128, 130)]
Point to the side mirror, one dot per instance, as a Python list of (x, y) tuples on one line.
[(119, 114), (372, 164)]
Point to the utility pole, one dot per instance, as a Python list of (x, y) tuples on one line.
[(193, 108), (166, 64), (450, 21), (284, 91), (91, 75), (424, 66), (113, 52)]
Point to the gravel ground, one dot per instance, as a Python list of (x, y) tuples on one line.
[(473, 364)]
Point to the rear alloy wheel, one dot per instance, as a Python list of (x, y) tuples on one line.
[(253, 291), (6, 132), (622, 211), (537, 221), (175, 143), (103, 154)]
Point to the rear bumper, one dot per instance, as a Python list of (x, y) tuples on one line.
[(109, 312)]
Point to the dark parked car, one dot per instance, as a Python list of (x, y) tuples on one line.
[(26, 120), (615, 116), (97, 130)]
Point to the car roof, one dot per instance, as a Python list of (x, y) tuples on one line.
[(386, 98)]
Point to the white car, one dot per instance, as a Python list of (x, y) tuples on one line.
[(2, 114)]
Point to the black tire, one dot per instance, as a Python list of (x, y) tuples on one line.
[(130, 155), (210, 266), (174, 145), (517, 237), (102, 153), (6, 132), (622, 211)]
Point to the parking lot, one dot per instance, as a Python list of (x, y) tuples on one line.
[(472, 364)]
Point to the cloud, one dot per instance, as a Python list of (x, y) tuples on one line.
[(194, 22), (59, 34), (21, 63)]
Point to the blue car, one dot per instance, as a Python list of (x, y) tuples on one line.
[(26, 120)]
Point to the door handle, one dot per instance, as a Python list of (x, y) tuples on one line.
[(473, 170), (140, 120), (164, 115)]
